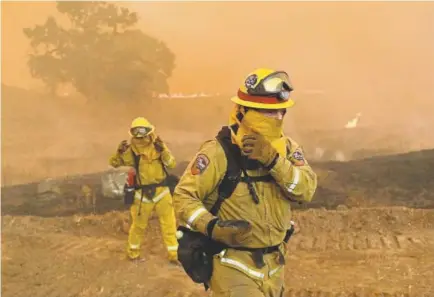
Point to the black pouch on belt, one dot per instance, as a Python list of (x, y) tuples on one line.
[(195, 252), (258, 258), (129, 192)]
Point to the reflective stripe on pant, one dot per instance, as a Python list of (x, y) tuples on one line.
[(166, 216), (233, 278)]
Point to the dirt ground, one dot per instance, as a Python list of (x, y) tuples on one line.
[(356, 252), (369, 232)]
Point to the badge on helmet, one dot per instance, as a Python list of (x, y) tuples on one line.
[(251, 81)]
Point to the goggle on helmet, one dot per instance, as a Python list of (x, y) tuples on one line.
[(275, 85), (140, 132)]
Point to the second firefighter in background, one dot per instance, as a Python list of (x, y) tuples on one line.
[(149, 157)]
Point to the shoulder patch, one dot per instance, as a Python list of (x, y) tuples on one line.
[(200, 164), (297, 157)]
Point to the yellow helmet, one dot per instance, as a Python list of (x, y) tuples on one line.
[(265, 89), (140, 127)]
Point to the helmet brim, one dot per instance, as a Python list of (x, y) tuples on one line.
[(286, 104)]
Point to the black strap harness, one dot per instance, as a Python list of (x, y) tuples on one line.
[(236, 171), (150, 189)]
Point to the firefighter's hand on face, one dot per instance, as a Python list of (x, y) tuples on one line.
[(231, 232), (159, 144), (256, 147), (123, 146)]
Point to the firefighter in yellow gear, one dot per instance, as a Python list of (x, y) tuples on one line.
[(252, 223), (150, 157)]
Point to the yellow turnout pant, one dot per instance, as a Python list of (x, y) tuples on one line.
[(166, 216), (235, 275)]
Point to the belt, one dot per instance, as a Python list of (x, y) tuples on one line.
[(149, 190), (151, 186), (258, 254), (265, 250)]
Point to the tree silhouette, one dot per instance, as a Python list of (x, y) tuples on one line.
[(101, 53)]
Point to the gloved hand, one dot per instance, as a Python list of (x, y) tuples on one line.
[(231, 232), (256, 147), (123, 146), (159, 144)]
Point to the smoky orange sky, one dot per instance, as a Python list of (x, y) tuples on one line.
[(366, 52)]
